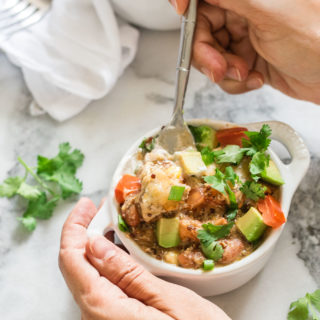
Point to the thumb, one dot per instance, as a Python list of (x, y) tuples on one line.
[(173, 300), (119, 268)]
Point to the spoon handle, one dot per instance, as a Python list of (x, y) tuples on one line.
[(183, 67)]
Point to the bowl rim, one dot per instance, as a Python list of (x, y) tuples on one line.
[(162, 268)]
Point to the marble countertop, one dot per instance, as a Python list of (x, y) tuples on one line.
[(30, 281)]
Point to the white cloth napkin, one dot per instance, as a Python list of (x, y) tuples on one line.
[(74, 55)]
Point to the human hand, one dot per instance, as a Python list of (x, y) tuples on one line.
[(108, 284), (243, 44)]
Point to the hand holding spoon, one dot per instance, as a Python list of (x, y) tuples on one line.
[(176, 136)]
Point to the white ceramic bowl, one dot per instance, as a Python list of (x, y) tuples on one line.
[(226, 278), (151, 14)]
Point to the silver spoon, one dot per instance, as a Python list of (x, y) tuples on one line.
[(176, 136)]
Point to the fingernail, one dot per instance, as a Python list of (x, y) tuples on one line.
[(254, 83), (234, 74), (208, 73), (174, 3), (101, 248)]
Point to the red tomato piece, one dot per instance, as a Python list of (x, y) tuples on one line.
[(272, 213), (231, 136), (127, 184)]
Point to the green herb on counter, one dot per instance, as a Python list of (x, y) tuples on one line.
[(53, 179), (306, 308)]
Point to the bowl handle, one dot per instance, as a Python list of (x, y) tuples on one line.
[(300, 155), (101, 223)]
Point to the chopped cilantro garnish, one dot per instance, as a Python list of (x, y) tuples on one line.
[(253, 190), (258, 164), (258, 141), (43, 198), (220, 182), (209, 156), (147, 145), (208, 237), (211, 232), (231, 154), (176, 193), (306, 308), (122, 225), (217, 181)]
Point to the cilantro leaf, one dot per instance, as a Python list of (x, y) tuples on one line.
[(67, 181), (62, 169), (258, 141), (28, 222), (211, 232), (233, 208), (220, 182), (306, 308), (259, 162), (212, 251), (41, 208), (10, 187), (217, 251), (253, 190), (209, 156), (147, 145), (73, 160), (231, 176), (231, 154), (28, 192), (217, 181)]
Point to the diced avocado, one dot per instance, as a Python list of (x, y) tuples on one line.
[(251, 225), (272, 174), (192, 162), (204, 136), (168, 232)]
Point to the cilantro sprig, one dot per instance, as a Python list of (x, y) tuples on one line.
[(253, 190), (208, 237), (255, 147), (52, 180), (210, 156), (220, 182), (306, 308)]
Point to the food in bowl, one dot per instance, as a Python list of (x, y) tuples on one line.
[(206, 207)]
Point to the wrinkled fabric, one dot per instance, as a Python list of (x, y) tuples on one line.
[(74, 55)]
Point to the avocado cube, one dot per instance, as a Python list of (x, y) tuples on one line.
[(192, 162), (204, 136), (272, 174), (168, 232), (251, 225)]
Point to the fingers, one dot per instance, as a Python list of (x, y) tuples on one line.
[(254, 81), (180, 5), (209, 55), (97, 296)]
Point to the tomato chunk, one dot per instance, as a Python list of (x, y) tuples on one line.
[(231, 136), (272, 213), (127, 184)]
